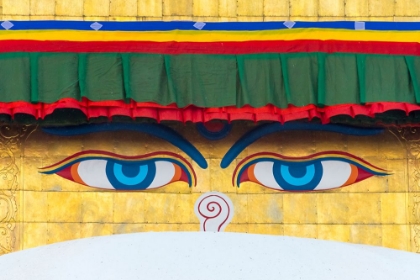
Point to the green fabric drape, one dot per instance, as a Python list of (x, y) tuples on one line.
[(211, 80)]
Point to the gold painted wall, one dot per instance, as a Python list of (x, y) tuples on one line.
[(213, 10), (42, 209), (38, 209)]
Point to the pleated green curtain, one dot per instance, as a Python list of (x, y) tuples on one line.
[(211, 80)]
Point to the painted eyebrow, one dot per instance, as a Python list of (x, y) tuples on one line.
[(265, 129), (156, 130)]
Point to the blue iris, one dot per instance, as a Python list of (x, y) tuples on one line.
[(298, 176), (130, 175)]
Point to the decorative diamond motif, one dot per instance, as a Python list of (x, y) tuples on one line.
[(7, 24), (289, 24), (96, 26), (199, 25), (359, 25)]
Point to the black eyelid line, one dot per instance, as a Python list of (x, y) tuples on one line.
[(265, 129), (156, 130)]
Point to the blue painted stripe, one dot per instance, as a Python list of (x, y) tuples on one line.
[(189, 25), (266, 129)]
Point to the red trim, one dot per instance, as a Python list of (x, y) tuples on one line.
[(195, 114), (248, 47)]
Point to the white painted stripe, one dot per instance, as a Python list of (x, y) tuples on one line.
[(335, 174), (165, 172), (93, 173), (263, 172)]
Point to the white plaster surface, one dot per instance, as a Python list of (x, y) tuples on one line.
[(204, 255)]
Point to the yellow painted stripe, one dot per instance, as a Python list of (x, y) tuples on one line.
[(213, 36)]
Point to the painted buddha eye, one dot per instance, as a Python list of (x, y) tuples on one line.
[(322, 171), (110, 171)]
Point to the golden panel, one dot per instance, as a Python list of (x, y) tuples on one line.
[(366, 234), (303, 8), (282, 18), (39, 17), (334, 232), (381, 8), (223, 10), (34, 235), (398, 180), (43, 8), (265, 209), (331, 8), (366, 208), (330, 142), (149, 8), (133, 228), (388, 148), (241, 228), (221, 179), (64, 207), (129, 207), (69, 8), (227, 8), (303, 142), (187, 227), (95, 18), (15, 17), (123, 8), (357, 8), (241, 211), (250, 8), (178, 7), (16, 7), (164, 208), (307, 231), (95, 229), (96, 8), (273, 229), (98, 207), (394, 208), (59, 232), (396, 237), (276, 8), (205, 8), (35, 206), (408, 19), (368, 149), (203, 179), (333, 208), (305, 18), (307, 205)]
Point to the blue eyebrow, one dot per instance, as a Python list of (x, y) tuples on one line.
[(265, 129), (159, 131)]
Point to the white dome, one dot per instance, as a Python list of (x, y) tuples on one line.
[(203, 255)]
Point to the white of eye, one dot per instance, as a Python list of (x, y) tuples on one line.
[(263, 172), (165, 172), (334, 174), (93, 173)]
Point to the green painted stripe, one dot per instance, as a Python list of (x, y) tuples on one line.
[(211, 80)]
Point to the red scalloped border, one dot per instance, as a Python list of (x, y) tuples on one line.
[(111, 108)]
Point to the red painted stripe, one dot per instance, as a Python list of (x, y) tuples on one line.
[(249, 47), (197, 114)]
